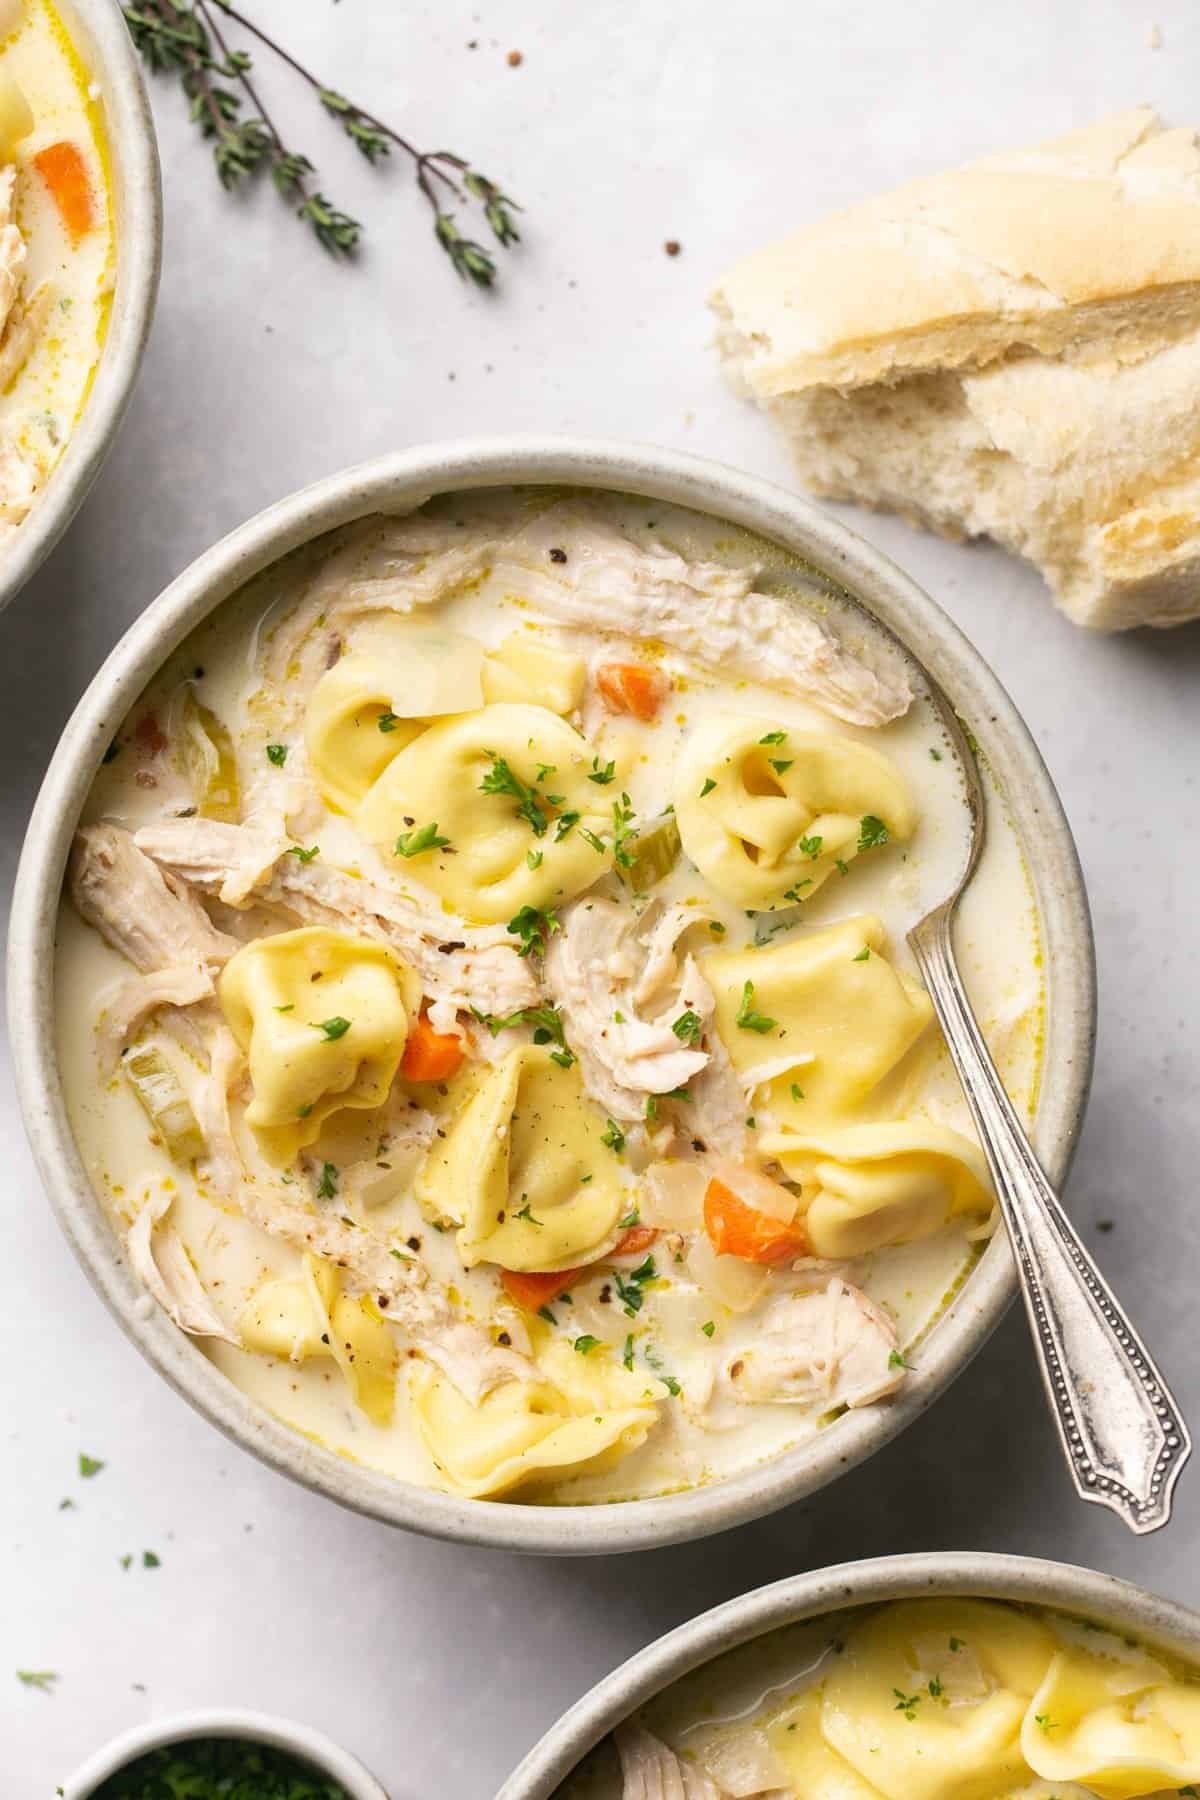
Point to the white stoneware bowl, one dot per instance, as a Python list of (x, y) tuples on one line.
[(248, 1727), (99, 33), (1159, 1624), (398, 483)]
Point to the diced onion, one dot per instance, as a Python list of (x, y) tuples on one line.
[(756, 1189), (671, 1196), (736, 1284), (211, 763)]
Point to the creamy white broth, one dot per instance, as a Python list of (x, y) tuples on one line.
[(66, 282), (888, 1703), (687, 1445)]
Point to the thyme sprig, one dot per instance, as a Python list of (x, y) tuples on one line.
[(182, 37)]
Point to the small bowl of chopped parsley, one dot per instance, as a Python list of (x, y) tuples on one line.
[(222, 1756)]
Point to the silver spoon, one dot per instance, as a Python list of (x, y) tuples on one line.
[(1122, 1432)]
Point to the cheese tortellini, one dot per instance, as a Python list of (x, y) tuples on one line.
[(525, 1169), (1115, 1721), (767, 814), (819, 1021), (584, 1415), (395, 678), (866, 1186), (534, 674), (311, 1317), (508, 791), (323, 1019)]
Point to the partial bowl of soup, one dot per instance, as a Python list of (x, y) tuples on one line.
[(474, 1047), (968, 1676), (80, 234)]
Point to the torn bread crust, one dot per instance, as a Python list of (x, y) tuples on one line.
[(1024, 363), (605, 582)]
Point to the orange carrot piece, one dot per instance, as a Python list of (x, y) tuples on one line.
[(735, 1229), (532, 1291), (64, 171), (631, 688), (637, 1239), (431, 1055)]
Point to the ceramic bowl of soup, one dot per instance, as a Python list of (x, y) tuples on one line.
[(80, 237), (902, 1678), (465, 1021)]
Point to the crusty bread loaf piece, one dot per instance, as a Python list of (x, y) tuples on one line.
[(1010, 350)]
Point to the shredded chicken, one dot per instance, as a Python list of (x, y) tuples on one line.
[(650, 1770), (12, 244), (25, 324), (716, 1108), (831, 1348), (620, 989), (159, 1260), (461, 965), (598, 579)]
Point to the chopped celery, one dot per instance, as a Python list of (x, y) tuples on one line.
[(211, 763), (166, 1105), (654, 852)]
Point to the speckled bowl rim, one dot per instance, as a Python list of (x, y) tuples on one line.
[(402, 481), (98, 30), (980, 1574), (302, 1741)]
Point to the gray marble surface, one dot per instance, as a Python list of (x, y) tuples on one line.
[(624, 126)]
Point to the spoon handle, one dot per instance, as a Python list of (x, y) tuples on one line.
[(1123, 1434)]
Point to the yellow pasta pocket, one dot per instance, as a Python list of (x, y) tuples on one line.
[(808, 1761), (311, 1317), (899, 1711), (396, 677), (494, 811), (819, 1021), (867, 1186), (767, 814), (525, 1169), (533, 673), (1115, 1722), (323, 1019), (583, 1416)]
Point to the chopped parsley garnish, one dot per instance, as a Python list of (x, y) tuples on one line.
[(332, 1029), (651, 1108), (794, 894), (747, 1018), (810, 846), (956, 1643), (303, 855), (533, 859), (415, 843), (613, 1138), (277, 754), (290, 1007), (708, 787), (671, 1384), (716, 927), (688, 1027), (631, 1219), (1045, 1721), (387, 721), (623, 830), (304, 1110), (907, 1703), (935, 1687), (781, 767), (840, 866), (41, 1679), (545, 1313), (872, 833), (708, 1327), (545, 769), (797, 1091), (89, 1465), (773, 737), (627, 1353), (150, 1560), (526, 1213), (581, 1345), (630, 1287), (863, 955), (589, 837), (500, 779), (566, 824), (935, 756), (897, 1361), (602, 775), (535, 928), (327, 1187)]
